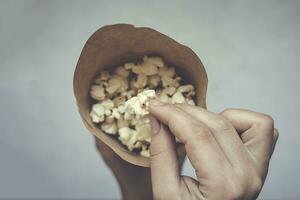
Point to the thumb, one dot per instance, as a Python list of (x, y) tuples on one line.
[(163, 160)]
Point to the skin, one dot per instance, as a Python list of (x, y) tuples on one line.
[(230, 152), (130, 177)]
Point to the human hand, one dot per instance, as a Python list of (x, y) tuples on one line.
[(230, 152)]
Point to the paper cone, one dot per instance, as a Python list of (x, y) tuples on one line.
[(117, 44)]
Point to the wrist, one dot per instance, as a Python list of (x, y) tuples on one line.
[(135, 188)]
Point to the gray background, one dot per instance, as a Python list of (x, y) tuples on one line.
[(250, 50)]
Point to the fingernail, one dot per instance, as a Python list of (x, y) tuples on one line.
[(156, 103), (155, 125)]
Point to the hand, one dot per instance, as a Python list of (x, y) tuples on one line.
[(134, 181), (230, 152)]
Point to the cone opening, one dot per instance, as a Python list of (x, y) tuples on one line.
[(136, 58)]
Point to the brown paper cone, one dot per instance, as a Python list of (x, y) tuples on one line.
[(117, 44)]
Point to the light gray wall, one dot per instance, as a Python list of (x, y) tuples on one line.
[(250, 50)]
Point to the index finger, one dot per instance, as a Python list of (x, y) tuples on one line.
[(202, 149)]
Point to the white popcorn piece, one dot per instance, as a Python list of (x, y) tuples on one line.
[(128, 94), (190, 102), (121, 123), (128, 116), (115, 113), (166, 71), (178, 98), (116, 84), (110, 128), (125, 134), (148, 93), (101, 109), (153, 81), (134, 121), (168, 81), (107, 112), (97, 113), (109, 119), (162, 71), (104, 76), (121, 71), (97, 92), (128, 137), (96, 118), (107, 104), (170, 72), (118, 100), (156, 61), (145, 153), (132, 106), (141, 81), (138, 122), (169, 90), (189, 89), (133, 67), (143, 131), (163, 97), (121, 108), (137, 105), (129, 66), (149, 69)]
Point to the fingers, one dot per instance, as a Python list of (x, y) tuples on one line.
[(257, 132), (201, 147), (163, 161), (223, 131)]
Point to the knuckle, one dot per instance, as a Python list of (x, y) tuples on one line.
[(227, 111), (175, 120), (156, 155), (221, 124), (202, 133), (267, 121), (157, 150)]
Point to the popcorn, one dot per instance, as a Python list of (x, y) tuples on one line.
[(145, 153), (123, 99), (149, 69), (169, 90), (141, 81), (122, 123), (104, 76), (97, 113), (156, 61), (97, 92), (110, 128), (109, 119), (153, 81), (101, 109), (178, 98), (121, 71), (116, 84)]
